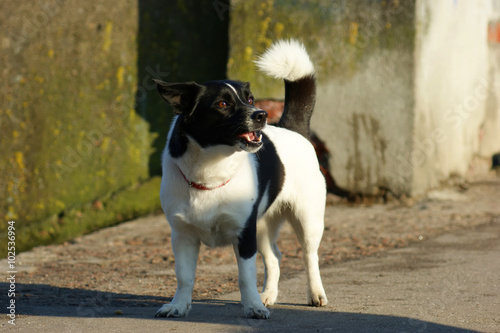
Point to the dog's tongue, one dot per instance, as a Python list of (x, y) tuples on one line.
[(251, 136)]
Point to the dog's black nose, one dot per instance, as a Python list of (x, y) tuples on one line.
[(259, 116)]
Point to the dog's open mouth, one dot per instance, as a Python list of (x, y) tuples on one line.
[(252, 137), (251, 141)]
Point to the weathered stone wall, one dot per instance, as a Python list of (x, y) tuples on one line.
[(397, 83), (456, 113), (69, 131), (81, 125), (363, 53)]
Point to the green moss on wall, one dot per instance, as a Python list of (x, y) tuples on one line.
[(339, 34), (68, 122), (102, 212), (80, 118)]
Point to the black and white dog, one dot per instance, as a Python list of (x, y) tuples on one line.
[(228, 178)]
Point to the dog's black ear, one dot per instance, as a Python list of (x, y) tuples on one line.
[(246, 85), (182, 96)]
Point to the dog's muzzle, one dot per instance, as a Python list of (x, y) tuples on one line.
[(252, 141)]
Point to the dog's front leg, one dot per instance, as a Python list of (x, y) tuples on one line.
[(247, 279), (186, 250)]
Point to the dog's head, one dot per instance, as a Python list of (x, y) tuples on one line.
[(216, 112)]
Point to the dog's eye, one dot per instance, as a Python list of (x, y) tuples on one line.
[(222, 104), (250, 100)]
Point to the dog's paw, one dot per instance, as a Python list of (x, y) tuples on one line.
[(257, 312), (173, 310), (318, 300), (269, 297)]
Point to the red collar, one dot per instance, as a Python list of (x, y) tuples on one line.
[(199, 186)]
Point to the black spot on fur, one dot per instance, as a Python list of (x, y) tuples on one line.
[(177, 145), (271, 176)]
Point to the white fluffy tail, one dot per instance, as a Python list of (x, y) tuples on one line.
[(286, 59)]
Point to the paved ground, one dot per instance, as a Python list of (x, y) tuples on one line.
[(428, 265)]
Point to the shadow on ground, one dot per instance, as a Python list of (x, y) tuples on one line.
[(45, 300)]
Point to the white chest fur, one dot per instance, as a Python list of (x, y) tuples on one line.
[(217, 216)]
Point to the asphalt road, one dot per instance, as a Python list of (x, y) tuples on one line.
[(449, 281), (448, 284)]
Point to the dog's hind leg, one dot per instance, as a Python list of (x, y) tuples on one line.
[(186, 250), (267, 231), (308, 226)]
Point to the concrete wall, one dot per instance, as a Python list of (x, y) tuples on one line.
[(456, 113), (489, 135), (365, 117), (408, 94), (391, 75), (81, 122), (364, 57), (69, 132)]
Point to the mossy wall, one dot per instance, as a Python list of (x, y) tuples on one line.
[(363, 52), (406, 92), (338, 34), (81, 125)]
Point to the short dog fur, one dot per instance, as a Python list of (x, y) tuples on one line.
[(231, 179)]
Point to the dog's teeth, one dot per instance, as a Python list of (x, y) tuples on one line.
[(252, 136)]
